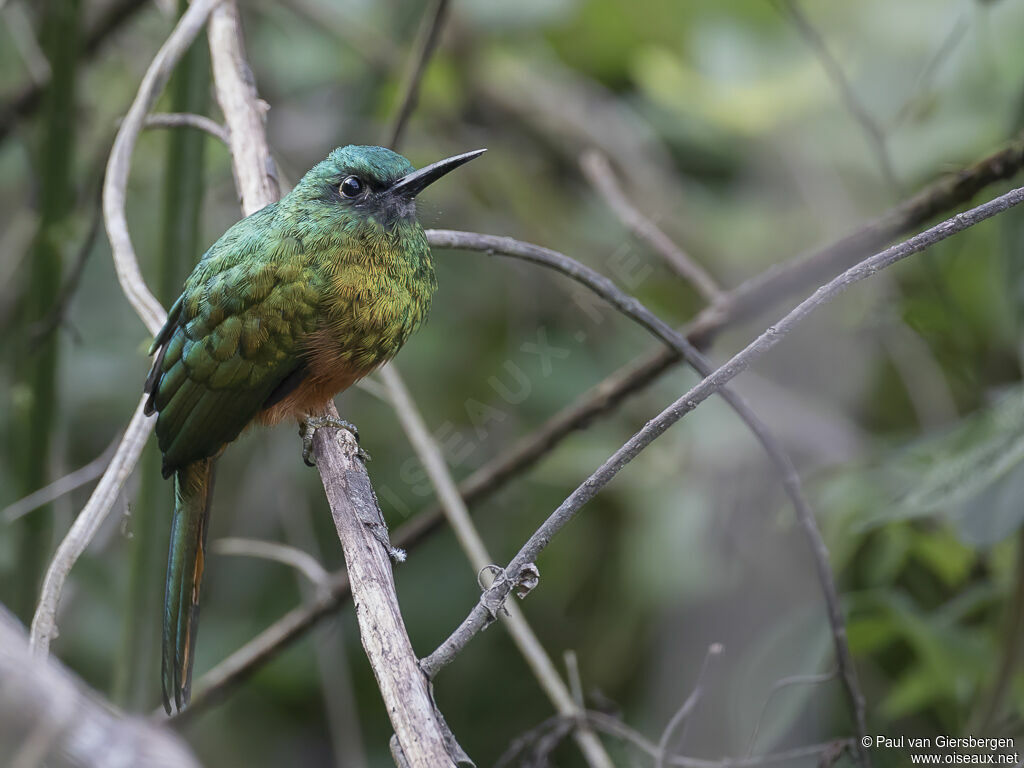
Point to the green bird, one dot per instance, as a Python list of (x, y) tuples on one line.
[(291, 306)]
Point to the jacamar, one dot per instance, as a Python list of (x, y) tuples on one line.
[(292, 305)]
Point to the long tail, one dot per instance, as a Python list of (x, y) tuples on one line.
[(193, 489)]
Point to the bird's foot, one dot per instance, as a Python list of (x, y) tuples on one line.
[(309, 427)]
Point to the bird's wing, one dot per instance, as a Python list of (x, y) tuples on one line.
[(231, 338)]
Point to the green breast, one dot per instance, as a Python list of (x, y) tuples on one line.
[(379, 286)]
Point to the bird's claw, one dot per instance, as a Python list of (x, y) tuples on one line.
[(309, 427)]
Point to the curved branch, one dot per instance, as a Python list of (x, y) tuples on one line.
[(44, 623), (188, 120), (116, 181), (492, 599), (303, 562), (636, 311)]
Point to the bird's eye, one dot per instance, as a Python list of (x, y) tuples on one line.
[(351, 187)]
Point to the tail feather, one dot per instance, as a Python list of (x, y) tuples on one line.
[(193, 489)]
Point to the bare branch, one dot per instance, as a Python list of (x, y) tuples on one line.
[(303, 562), (48, 716), (116, 181), (601, 175), (60, 486), (187, 120), (780, 685), (476, 551), (44, 623), (492, 599), (430, 34), (633, 309), (679, 718)]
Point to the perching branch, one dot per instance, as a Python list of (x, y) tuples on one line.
[(492, 599), (424, 741), (44, 626), (360, 525), (49, 717)]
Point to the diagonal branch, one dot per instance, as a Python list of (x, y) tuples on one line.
[(776, 453), (490, 602)]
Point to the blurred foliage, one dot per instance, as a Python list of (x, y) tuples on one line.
[(901, 402)]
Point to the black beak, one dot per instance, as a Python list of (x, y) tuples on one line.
[(413, 183)]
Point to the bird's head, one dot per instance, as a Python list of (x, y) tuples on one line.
[(370, 183)]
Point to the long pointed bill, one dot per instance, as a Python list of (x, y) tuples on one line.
[(413, 183)]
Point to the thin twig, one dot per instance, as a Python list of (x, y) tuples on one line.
[(780, 685), (942, 53), (61, 486), (188, 120), (601, 175), (303, 562), (430, 34), (44, 623), (476, 551), (679, 718), (44, 626), (872, 131), (490, 602)]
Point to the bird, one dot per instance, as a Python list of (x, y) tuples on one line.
[(292, 305)]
